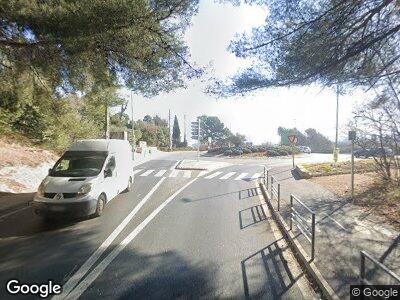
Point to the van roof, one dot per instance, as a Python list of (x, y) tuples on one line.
[(99, 145)]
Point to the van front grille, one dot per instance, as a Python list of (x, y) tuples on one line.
[(65, 195)]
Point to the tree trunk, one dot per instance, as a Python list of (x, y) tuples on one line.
[(107, 125)]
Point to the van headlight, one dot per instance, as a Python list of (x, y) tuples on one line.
[(85, 189), (42, 186)]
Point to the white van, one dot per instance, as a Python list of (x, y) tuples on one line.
[(88, 175)]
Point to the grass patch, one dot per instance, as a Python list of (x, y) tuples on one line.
[(371, 193), (328, 169)]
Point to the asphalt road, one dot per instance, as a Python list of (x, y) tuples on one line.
[(176, 235)]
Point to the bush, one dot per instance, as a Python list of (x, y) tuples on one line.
[(228, 152), (246, 151), (237, 152), (272, 153)]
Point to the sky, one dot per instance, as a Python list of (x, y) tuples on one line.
[(259, 115)]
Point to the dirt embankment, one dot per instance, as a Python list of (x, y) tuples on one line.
[(22, 165)]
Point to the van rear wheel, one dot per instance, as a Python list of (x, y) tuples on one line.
[(101, 202)]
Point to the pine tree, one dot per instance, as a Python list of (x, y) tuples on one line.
[(176, 133)]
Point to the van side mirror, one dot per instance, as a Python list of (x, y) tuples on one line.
[(107, 173), (49, 172)]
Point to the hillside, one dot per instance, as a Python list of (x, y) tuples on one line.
[(22, 165)]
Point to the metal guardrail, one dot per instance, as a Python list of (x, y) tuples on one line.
[(276, 191), (266, 176), (308, 230), (378, 264)]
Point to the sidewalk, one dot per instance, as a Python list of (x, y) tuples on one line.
[(342, 231)]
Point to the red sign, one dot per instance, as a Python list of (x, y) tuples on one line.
[(292, 139)]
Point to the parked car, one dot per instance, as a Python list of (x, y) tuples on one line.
[(362, 153), (86, 177), (304, 149), (379, 152), (375, 152)]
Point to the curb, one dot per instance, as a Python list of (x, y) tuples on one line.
[(298, 251), (302, 172), (178, 167)]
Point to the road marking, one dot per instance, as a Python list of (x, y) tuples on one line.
[(241, 176), (2, 217), (202, 173), (187, 174), (137, 171), (147, 173), (174, 173), (256, 175), (88, 280), (72, 281), (227, 175), (213, 175), (174, 166), (160, 173)]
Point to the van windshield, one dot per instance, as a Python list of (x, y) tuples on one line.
[(79, 163)]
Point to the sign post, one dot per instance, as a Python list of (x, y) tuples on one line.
[(293, 140), (352, 138), (196, 135)]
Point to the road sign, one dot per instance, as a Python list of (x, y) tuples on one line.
[(352, 135), (292, 138)]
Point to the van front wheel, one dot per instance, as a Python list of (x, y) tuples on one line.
[(101, 202)]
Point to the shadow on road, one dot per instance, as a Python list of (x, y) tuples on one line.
[(267, 263), (163, 275), (242, 194), (251, 216)]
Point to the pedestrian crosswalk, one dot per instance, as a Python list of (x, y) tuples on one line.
[(202, 174)]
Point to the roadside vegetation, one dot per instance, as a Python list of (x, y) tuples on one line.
[(254, 151), (328, 169), (63, 62)]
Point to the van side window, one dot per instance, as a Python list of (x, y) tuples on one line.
[(111, 163)]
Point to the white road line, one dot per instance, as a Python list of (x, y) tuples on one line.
[(2, 217), (213, 175), (137, 171), (174, 166), (88, 280), (227, 175), (256, 176), (187, 174), (160, 173), (72, 281), (241, 176), (147, 173), (174, 173), (202, 173)]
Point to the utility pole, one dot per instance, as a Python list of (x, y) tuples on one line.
[(169, 130), (198, 142), (336, 150), (133, 129), (352, 138), (184, 131)]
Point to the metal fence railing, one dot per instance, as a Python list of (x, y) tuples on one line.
[(365, 255), (276, 191), (266, 177), (305, 225)]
